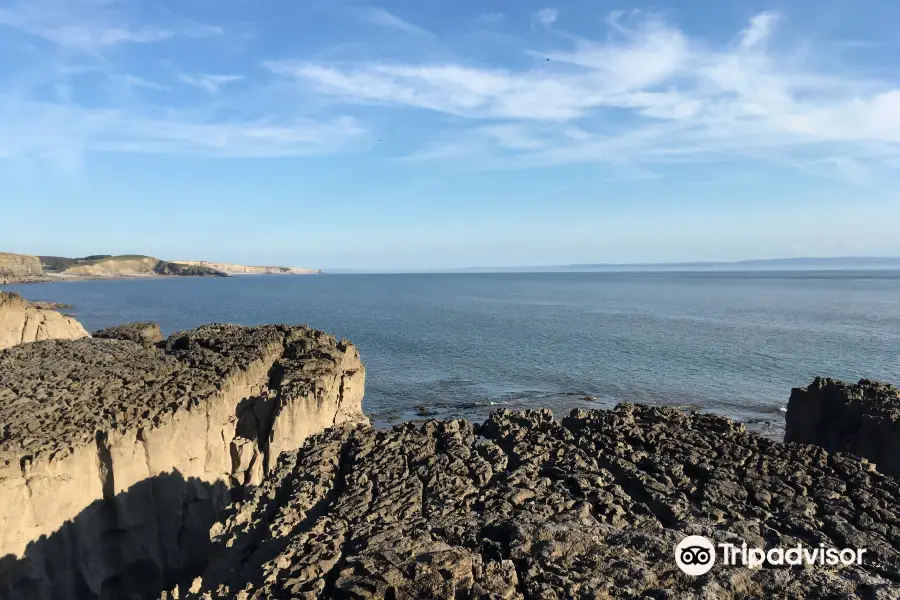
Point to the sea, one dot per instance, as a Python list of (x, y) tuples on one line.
[(461, 345)]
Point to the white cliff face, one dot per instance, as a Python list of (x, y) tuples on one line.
[(21, 323), (114, 466), (233, 269)]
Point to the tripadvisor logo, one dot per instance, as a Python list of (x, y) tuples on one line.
[(695, 555)]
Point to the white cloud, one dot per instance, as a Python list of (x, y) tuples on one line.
[(643, 93), (92, 26), (546, 16), (381, 17), (759, 29), (210, 83)]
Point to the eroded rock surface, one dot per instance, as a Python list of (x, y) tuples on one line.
[(117, 456), (142, 333), (861, 418), (527, 507), (22, 322)]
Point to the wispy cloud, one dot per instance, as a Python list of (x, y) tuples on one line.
[(140, 82), (490, 17), (382, 18), (92, 26), (63, 134), (759, 29), (44, 116), (546, 16), (645, 92), (210, 83)]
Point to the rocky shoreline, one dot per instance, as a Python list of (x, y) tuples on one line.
[(236, 462)]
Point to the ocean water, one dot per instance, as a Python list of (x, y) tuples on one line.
[(463, 344)]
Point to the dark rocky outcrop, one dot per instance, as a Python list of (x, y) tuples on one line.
[(142, 333), (524, 506), (41, 305), (863, 419), (116, 456), (183, 270)]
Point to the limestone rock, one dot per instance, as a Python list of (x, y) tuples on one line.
[(22, 322), (524, 506), (116, 457), (142, 333), (17, 268), (862, 419)]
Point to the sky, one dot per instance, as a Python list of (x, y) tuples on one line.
[(412, 134)]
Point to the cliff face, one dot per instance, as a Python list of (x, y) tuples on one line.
[(116, 456), (862, 419), (524, 506), (22, 322), (19, 267), (233, 269)]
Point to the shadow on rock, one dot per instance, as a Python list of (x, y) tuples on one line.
[(134, 545)]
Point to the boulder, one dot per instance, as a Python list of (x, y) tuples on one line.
[(22, 322), (116, 457)]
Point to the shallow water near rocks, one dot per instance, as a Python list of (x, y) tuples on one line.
[(461, 345)]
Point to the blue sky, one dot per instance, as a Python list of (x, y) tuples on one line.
[(416, 134)]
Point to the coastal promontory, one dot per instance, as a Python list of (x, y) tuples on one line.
[(21, 268)]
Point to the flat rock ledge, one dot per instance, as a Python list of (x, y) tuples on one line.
[(524, 506), (118, 453)]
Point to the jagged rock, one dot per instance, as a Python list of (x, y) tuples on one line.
[(862, 419), (116, 456), (524, 506), (143, 333), (22, 322), (41, 305)]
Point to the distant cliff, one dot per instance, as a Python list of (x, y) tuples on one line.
[(250, 270), (128, 265), (22, 268), (19, 267)]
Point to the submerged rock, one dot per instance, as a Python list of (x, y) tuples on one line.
[(116, 457), (524, 506), (22, 322)]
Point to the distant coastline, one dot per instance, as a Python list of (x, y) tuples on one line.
[(877, 263), (24, 268)]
